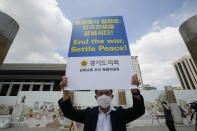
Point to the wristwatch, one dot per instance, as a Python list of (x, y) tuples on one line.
[(136, 93)]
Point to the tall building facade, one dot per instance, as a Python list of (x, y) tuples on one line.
[(186, 72), (136, 68)]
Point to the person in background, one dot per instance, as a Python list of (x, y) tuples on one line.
[(154, 115), (168, 117), (184, 114), (189, 112), (189, 109)]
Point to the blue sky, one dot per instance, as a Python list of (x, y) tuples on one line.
[(151, 25), (142, 18), (139, 15)]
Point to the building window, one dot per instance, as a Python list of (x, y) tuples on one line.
[(14, 90), (25, 87), (188, 75), (183, 74), (36, 88), (180, 77), (193, 75), (4, 89), (56, 87), (46, 87), (193, 65)]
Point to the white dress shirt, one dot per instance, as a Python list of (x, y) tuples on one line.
[(104, 121)]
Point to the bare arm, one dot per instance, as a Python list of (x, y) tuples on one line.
[(64, 83), (136, 82), (167, 107), (66, 106), (138, 108)]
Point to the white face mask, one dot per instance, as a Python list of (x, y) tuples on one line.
[(104, 101)]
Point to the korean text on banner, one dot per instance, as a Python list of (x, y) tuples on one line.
[(99, 55)]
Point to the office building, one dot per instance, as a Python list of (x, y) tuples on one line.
[(30, 77), (136, 68), (186, 72)]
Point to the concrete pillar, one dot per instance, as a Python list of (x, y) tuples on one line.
[(31, 87), (122, 97), (20, 88), (175, 111), (51, 87), (8, 31), (41, 87), (188, 31), (9, 90)]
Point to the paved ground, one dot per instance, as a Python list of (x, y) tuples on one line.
[(163, 128), (155, 128)]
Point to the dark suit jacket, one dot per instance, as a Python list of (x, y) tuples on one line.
[(119, 118)]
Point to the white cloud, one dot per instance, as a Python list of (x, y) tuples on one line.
[(43, 33), (187, 10), (156, 52), (155, 25)]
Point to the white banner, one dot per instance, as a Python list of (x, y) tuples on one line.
[(99, 55)]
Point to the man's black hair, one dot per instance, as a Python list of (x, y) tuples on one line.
[(97, 90), (163, 102)]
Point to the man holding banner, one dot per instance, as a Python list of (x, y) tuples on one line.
[(99, 59), (103, 117)]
